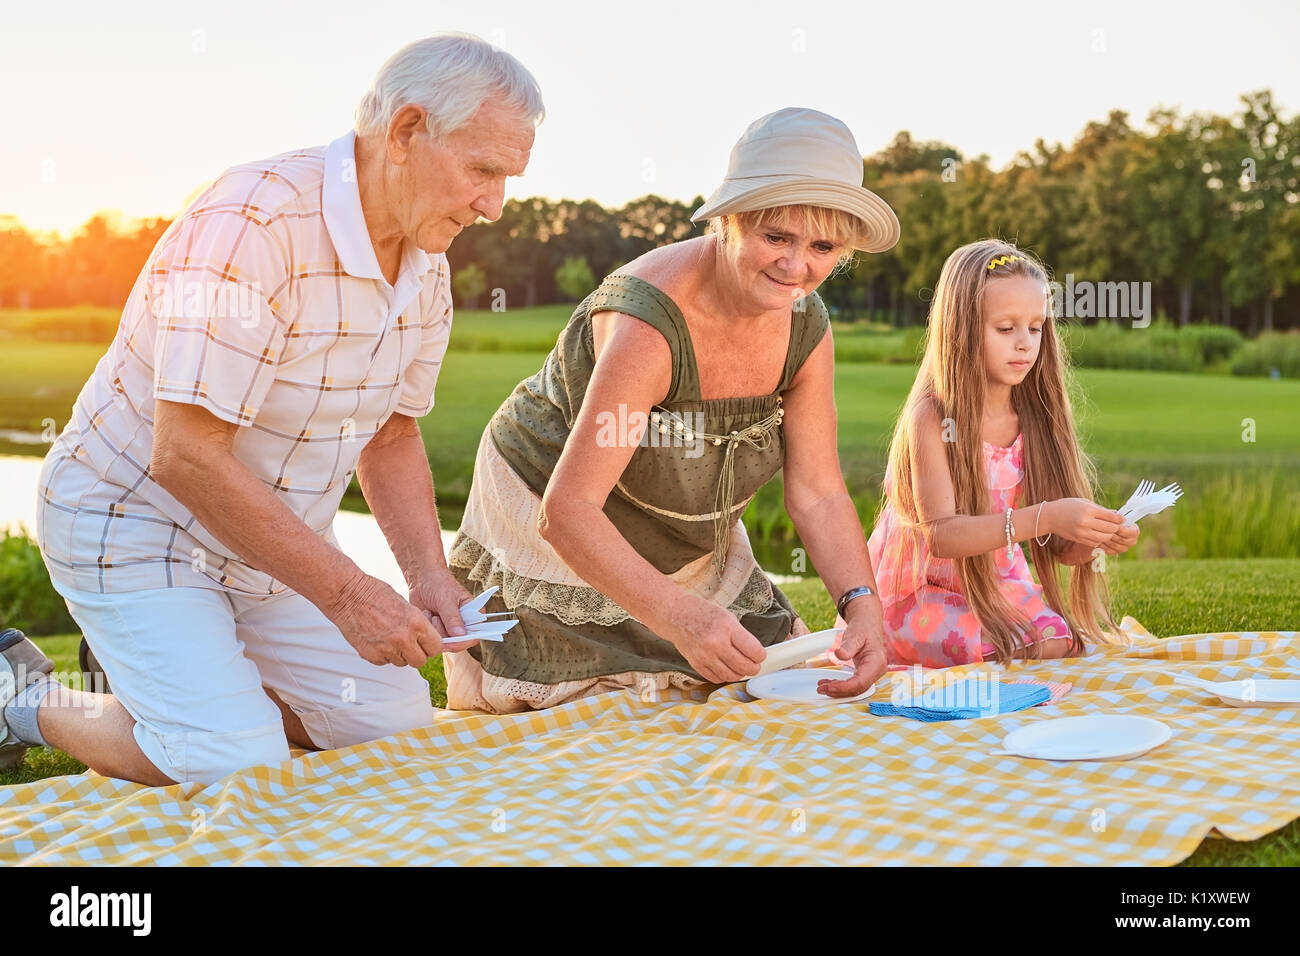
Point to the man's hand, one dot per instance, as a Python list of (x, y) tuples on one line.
[(440, 596), (382, 627)]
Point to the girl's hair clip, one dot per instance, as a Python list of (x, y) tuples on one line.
[(1002, 260)]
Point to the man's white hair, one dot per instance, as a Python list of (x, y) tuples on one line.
[(450, 75)]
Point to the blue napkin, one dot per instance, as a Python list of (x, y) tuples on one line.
[(966, 699)]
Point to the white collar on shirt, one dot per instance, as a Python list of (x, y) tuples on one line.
[(346, 224)]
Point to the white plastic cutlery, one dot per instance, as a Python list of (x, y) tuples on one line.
[(1201, 682), (481, 626), (1145, 501), (483, 632), (1144, 488), (486, 626), (492, 627), (471, 612)]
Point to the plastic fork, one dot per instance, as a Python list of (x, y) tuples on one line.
[(1150, 503), (1144, 487), (475, 605)]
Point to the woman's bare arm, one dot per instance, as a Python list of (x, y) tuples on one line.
[(818, 503), (633, 373)]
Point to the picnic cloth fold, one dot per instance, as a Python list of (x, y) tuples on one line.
[(968, 698), (615, 779)]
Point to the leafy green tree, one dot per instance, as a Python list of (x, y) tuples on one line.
[(1205, 207), (574, 278), (469, 283)]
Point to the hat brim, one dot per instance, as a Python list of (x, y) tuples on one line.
[(880, 225)]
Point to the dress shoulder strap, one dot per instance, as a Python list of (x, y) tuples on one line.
[(810, 325), (636, 297)]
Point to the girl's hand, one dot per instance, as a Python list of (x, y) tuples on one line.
[(1121, 540), (1078, 519), (714, 642), (862, 643)]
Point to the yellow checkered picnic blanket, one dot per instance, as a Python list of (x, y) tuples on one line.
[(728, 780)]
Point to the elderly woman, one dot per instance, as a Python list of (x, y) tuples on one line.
[(609, 486)]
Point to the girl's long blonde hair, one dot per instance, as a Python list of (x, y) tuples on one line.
[(951, 381)]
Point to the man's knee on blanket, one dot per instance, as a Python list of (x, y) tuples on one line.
[(205, 756), (354, 723)]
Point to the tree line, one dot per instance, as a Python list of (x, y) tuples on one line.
[(1205, 208)]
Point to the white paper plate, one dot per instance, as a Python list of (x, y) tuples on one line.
[(789, 653), (1264, 693), (1091, 737), (800, 686)]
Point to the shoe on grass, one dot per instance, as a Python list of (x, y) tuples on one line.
[(21, 662)]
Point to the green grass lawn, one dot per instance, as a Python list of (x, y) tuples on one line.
[(514, 330), (1168, 597), (471, 387), (40, 381)]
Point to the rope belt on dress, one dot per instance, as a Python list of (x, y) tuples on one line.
[(758, 436)]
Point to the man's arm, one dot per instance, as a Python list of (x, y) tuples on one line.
[(394, 474), (193, 460)]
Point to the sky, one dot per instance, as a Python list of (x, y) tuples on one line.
[(135, 106)]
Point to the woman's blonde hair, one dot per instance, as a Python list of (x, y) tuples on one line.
[(839, 227), (951, 382)]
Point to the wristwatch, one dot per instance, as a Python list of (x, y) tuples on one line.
[(849, 595)]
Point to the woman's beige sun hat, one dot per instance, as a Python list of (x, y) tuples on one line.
[(799, 156)]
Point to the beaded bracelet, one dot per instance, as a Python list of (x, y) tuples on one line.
[(1010, 529)]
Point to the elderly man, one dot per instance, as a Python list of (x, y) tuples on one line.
[(286, 333)]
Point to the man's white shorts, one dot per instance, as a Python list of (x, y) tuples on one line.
[(189, 665)]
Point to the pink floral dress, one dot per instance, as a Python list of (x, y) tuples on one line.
[(927, 618)]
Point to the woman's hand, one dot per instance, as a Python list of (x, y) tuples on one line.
[(1078, 519), (862, 644), (714, 642)]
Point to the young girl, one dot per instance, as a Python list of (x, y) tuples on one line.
[(985, 455)]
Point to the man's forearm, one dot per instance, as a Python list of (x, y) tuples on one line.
[(395, 478), (260, 529)]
